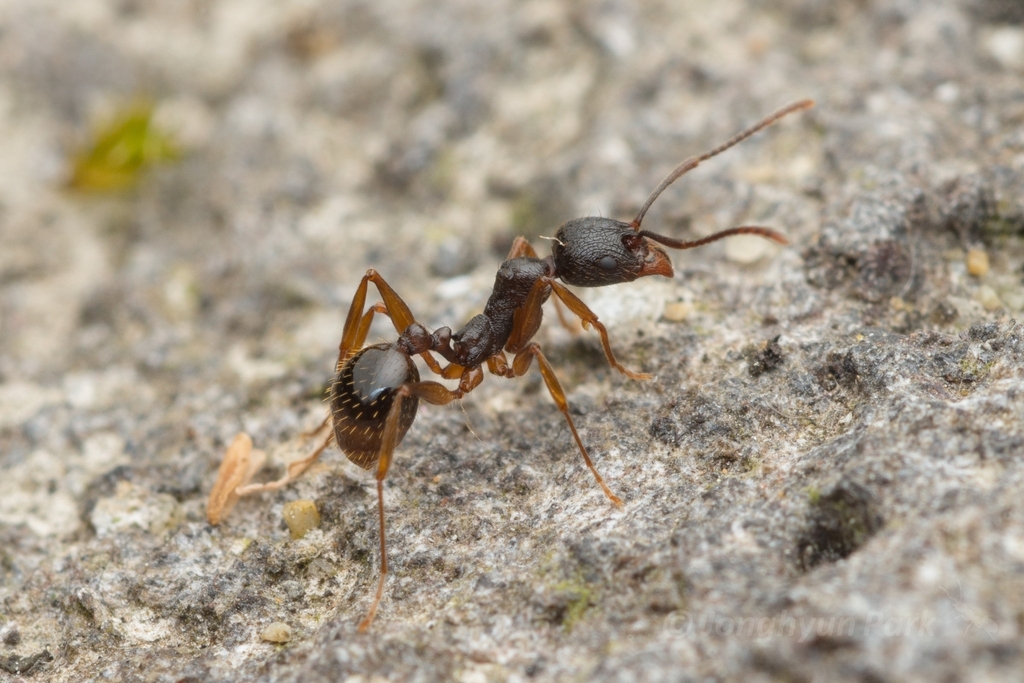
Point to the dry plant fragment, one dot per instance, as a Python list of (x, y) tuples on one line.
[(240, 463)]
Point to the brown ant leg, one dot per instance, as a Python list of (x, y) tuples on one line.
[(588, 317), (566, 322), (431, 392), (520, 247), (527, 320), (313, 432), (295, 468), (451, 371), (498, 365), (400, 314), (520, 364), (356, 338), (357, 324)]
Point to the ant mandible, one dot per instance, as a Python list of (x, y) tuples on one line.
[(376, 389)]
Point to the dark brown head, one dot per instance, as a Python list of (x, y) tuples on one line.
[(362, 394), (594, 252)]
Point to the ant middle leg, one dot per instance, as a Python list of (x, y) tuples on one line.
[(520, 364)]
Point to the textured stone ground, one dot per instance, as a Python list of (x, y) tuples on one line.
[(822, 482)]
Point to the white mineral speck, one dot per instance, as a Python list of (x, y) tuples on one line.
[(278, 632)]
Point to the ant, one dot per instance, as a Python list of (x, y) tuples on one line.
[(377, 389)]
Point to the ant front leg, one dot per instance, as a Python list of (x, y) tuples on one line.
[(588, 318), (520, 248), (527, 321), (520, 364)]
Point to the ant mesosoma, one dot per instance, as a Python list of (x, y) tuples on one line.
[(376, 389)]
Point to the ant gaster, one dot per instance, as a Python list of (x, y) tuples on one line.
[(377, 389)]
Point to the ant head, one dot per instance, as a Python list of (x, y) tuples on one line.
[(593, 252)]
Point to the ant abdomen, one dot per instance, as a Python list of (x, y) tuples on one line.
[(361, 397)]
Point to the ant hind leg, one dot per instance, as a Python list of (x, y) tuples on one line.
[(433, 393), (295, 468)]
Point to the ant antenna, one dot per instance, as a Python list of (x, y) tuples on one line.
[(758, 230), (693, 162)]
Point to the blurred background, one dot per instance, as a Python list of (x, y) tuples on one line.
[(190, 191)]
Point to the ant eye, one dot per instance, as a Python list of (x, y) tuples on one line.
[(607, 263)]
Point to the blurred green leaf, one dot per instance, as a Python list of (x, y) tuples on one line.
[(121, 150)]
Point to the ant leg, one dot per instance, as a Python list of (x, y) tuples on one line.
[(357, 325), (566, 322), (526, 321), (520, 364), (293, 471), (520, 247), (433, 393), (498, 365), (400, 314), (588, 318), (372, 612), (239, 466), (387, 448), (313, 432)]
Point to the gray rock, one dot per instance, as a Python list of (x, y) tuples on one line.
[(822, 482)]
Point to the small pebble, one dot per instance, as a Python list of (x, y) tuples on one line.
[(989, 299), (301, 516), (977, 262), (676, 311), (278, 632)]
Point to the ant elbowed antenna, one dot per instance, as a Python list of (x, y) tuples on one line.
[(376, 389)]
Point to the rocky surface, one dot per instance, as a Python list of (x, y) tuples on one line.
[(822, 482)]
